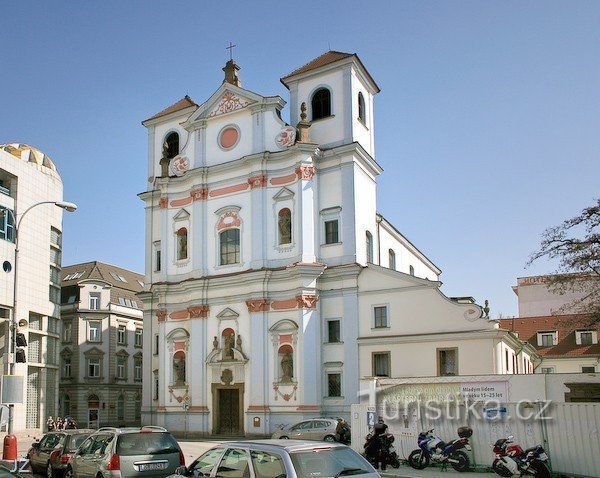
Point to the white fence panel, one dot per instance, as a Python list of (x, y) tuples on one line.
[(360, 427)]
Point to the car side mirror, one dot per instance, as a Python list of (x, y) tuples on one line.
[(35, 445), (181, 470)]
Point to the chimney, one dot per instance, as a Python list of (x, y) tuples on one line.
[(231, 74)]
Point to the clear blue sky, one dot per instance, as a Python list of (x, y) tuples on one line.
[(486, 126)]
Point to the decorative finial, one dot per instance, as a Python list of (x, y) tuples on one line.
[(230, 48), (486, 309), (303, 111)]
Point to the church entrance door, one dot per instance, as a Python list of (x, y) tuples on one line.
[(228, 409)]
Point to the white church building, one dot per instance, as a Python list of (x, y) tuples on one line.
[(272, 283)]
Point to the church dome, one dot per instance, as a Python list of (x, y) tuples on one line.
[(28, 153)]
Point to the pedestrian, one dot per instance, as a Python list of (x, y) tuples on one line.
[(50, 424), (59, 424), (70, 424)]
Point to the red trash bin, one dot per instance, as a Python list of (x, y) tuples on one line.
[(9, 451)]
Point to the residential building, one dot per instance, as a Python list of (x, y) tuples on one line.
[(29, 177), (566, 342), (101, 345), (273, 284)]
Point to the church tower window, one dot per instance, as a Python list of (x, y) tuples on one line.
[(182, 244), (361, 107), (285, 226), (392, 259), (229, 241), (369, 247), (321, 104), (411, 270), (171, 145)]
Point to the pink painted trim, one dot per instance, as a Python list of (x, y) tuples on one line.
[(283, 179), (307, 301), (228, 190), (285, 339), (258, 408), (308, 407), (224, 224), (181, 202), (305, 171), (257, 182), (178, 315), (199, 194), (284, 304), (163, 203), (198, 311), (199, 408), (258, 305), (161, 315), (179, 345)]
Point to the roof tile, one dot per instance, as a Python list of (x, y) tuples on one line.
[(182, 104), (325, 59)]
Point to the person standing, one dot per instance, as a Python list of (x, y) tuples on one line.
[(50, 424), (59, 424)]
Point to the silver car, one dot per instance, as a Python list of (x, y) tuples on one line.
[(278, 459), (321, 429), (146, 452)]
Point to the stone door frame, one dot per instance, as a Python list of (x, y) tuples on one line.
[(215, 388)]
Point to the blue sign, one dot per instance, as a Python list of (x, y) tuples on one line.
[(370, 419), (495, 414)]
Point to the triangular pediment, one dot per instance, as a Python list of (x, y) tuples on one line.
[(227, 99), (181, 215), (93, 351), (283, 193), (228, 314)]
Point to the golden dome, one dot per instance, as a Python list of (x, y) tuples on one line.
[(28, 153)]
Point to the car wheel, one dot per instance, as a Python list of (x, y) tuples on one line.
[(284, 438), (49, 471), (329, 438)]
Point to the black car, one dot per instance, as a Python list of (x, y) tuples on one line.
[(52, 453)]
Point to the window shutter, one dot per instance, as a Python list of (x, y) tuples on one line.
[(539, 339), (594, 337), (578, 338), (555, 338)]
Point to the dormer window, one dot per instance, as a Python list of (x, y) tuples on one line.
[(547, 339), (361, 107), (321, 104), (171, 145), (586, 337)]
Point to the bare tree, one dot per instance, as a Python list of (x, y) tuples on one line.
[(576, 245)]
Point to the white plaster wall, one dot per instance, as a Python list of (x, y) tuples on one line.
[(366, 208), (362, 133), (243, 120), (568, 365), (536, 300), (186, 141)]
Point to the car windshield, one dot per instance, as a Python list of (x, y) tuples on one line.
[(329, 462), (146, 444), (75, 441)]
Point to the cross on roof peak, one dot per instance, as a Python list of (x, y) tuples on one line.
[(230, 48)]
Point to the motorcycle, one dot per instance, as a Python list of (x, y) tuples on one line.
[(433, 449), (386, 454), (512, 460)]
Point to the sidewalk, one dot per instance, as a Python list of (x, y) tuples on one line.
[(430, 472)]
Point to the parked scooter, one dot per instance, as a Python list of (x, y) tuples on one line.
[(433, 450), (383, 452), (512, 460)]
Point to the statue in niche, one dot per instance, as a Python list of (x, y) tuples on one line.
[(215, 343), (164, 161), (229, 344), (238, 342), (287, 367), (179, 370)]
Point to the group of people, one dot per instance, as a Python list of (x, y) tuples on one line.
[(59, 424)]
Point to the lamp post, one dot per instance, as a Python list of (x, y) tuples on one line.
[(10, 441)]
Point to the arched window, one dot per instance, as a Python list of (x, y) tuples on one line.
[(179, 368), (171, 146), (229, 241), (412, 270), (321, 104), (369, 247), (285, 226), (182, 244), (66, 406), (286, 363), (392, 259), (121, 408), (361, 107)]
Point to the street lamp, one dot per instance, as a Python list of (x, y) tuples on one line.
[(12, 332)]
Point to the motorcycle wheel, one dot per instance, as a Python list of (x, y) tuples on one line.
[(463, 461), (418, 460), (539, 469), (500, 469), (395, 462)]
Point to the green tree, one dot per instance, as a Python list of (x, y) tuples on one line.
[(575, 244)]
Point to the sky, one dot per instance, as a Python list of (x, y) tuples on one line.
[(486, 125)]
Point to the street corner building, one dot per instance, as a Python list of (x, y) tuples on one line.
[(28, 177), (272, 282)]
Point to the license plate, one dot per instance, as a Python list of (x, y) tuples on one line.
[(153, 467), (543, 457)]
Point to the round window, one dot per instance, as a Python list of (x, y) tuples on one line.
[(7, 266), (229, 137)]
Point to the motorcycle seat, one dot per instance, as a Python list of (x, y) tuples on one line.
[(533, 448)]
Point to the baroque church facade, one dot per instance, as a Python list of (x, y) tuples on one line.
[(258, 237)]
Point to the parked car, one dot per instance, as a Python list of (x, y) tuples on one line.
[(278, 459), (126, 452), (52, 453), (322, 429)]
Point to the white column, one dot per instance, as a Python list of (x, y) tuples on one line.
[(350, 333), (310, 358), (258, 226), (164, 362), (306, 210), (256, 348)]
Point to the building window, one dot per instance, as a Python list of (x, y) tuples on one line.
[(7, 226), (586, 337), (392, 259), (361, 107), (380, 316), (447, 362), (285, 226), (121, 408), (121, 334), (321, 104), (156, 387), (171, 146), (137, 369), (67, 331), (182, 244), (54, 275), (121, 367), (94, 331), (369, 243), (333, 331), (55, 237), (547, 369), (547, 339), (55, 256), (157, 256), (156, 342), (411, 270), (331, 232), (334, 384), (230, 246), (381, 364), (506, 360), (67, 367), (138, 337), (94, 300), (588, 369), (93, 367), (54, 294)]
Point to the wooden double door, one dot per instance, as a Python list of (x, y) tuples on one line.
[(228, 410)]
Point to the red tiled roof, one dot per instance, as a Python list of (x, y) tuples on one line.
[(565, 325), (182, 104)]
